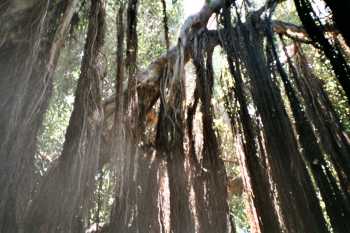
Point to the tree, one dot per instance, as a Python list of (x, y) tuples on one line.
[(65, 192), (27, 67), (152, 133)]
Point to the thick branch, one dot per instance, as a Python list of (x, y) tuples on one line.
[(297, 32), (60, 34), (148, 80)]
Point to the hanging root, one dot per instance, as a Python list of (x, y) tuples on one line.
[(316, 32)]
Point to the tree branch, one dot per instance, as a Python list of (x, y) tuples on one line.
[(148, 80)]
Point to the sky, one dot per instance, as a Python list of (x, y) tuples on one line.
[(192, 6)]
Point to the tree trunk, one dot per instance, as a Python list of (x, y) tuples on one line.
[(26, 70), (181, 219), (317, 34), (312, 152), (149, 181), (258, 186), (66, 190), (170, 144), (333, 138), (213, 172), (287, 168)]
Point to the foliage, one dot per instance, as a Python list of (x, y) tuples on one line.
[(57, 116)]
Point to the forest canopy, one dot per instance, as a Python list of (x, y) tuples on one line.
[(216, 116)]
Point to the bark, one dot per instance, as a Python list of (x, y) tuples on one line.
[(333, 138), (120, 67), (149, 81), (196, 174), (336, 200), (131, 48), (213, 171), (165, 23), (336, 203), (135, 162), (18, 59), (150, 171), (64, 195), (311, 150), (288, 172), (170, 139), (139, 211), (316, 33), (125, 215), (27, 67), (258, 178)]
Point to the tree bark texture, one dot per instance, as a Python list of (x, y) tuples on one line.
[(213, 172), (316, 32), (287, 167), (66, 190), (337, 203), (26, 70), (334, 139), (257, 185)]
